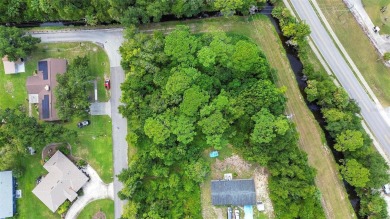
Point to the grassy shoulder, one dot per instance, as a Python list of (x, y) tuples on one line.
[(14, 86), (334, 197), (379, 18), (106, 206), (359, 48), (261, 31)]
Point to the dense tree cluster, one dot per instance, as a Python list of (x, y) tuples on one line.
[(18, 131), (15, 44), (126, 12), (362, 166), (72, 89), (186, 93)]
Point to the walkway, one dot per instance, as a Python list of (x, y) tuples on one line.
[(95, 189)]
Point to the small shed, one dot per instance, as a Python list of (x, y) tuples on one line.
[(13, 67), (239, 192)]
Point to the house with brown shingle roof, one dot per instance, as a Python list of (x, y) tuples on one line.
[(40, 87), (13, 67), (62, 182)]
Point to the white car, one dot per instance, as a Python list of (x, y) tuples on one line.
[(386, 189), (237, 214)]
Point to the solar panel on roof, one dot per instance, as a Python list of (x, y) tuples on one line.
[(42, 66), (45, 107)]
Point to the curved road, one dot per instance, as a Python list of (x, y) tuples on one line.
[(111, 39), (371, 112)]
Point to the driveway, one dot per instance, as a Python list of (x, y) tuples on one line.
[(110, 40), (100, 108), (94, 189)]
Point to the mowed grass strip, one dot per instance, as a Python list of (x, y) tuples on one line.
[(334, 197), (359, 48), (105, 205), (260, 30)]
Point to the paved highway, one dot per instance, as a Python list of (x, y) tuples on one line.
[(111, 39), (371, 113)]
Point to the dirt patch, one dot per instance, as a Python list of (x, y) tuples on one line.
[(9, 87), (240, 169), (99, 215)]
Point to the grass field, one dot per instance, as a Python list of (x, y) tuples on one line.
[(381, 19), (95, 145), (104, 205), (261, 31), (359, 48), (13, 86)]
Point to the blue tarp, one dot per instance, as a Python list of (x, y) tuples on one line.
[(214, 154), (248, 210)]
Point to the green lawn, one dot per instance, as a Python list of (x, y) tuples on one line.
[(104, 205), (359, 48), (381, 19), (95, 145), (12, 87), (29, 206)]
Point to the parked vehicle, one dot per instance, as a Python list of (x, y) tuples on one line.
[(386, 189), (237, 214), (229, 213), (107, 84), (83, 123)]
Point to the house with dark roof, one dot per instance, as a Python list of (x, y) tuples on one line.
[(237, 192), (7, 195), (61, 183), (40, 87)]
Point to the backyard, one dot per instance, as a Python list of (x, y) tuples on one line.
[(359, 47), (13, 89)]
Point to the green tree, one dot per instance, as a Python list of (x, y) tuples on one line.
[(15, 44), (349, 140), (355, 174), (181, 46), (206, 57), (71, 91)]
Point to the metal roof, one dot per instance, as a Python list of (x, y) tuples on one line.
[(6, 194), (238, 192)]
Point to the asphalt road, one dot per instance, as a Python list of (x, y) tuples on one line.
[(111, 40), (370, 112)]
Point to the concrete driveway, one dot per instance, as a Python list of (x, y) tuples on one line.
[(95, 189), (110, 40)]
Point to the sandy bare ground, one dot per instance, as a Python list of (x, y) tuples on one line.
[(240, 169)]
